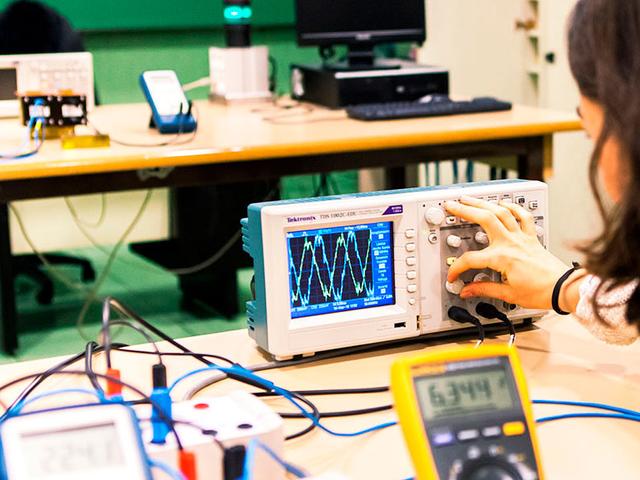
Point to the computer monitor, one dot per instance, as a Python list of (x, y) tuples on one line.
[(359, 24)]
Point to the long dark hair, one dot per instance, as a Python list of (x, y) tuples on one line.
[(604, 55)]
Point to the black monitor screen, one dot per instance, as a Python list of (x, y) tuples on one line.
[(329, 22), (8, 83)]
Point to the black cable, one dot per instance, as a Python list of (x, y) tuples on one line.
[(102, 376), (462, 315), (342, 413), (489, 311), (43, 376), (203, 431), (314, 412), (172, 141), (126, 349), (88, 367), (333, 391), (127, 312), (141, 331)]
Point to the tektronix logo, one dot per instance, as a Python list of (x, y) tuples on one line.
[(310, 218)]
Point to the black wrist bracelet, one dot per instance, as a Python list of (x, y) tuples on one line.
[(555, 296)]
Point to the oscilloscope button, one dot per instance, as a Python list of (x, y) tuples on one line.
[(411, 247), (410, 233), (434, 215), (482, 277), (433, 238), (411, 261), (412, 288), (539, 231), (482, 238), (454, 241), (411, 274), (412, 301)]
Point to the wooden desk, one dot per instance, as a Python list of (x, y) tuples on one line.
[(561, 361), (250, 142)]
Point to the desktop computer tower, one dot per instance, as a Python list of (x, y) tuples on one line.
[(337, 88)]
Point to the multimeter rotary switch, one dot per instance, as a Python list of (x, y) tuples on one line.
[(489, 468)]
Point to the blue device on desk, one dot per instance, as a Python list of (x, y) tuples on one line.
[(170, 109)]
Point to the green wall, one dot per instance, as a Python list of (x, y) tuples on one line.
[(120, 57), (162, 14)]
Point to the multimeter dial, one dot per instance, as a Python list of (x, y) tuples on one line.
[(489, 468)]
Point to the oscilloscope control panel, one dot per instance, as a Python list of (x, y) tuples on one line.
[(347, 270)]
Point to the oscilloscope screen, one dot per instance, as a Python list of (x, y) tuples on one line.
[(340, 268)]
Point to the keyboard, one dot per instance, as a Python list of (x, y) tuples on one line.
[(432, 106)]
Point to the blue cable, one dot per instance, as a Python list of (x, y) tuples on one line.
[(244, 373), (20, 405), (564, 416), (599, 406), (249, 459), (174, 474)]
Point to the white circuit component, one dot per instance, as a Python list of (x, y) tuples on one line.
[(234, 419)]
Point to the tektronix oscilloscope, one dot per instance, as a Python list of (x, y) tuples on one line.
[(348, 270)]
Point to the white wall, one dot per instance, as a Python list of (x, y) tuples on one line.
[(486, 55), (51, 227)]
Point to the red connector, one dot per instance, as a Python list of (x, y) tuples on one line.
[(113, 388), (187, 462)]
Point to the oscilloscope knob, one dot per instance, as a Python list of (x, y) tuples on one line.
[(539, 231), (454, 241), (482, 238), (434, 216), (454, 288)]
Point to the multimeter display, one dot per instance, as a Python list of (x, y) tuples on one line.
[(73, 450), (464, 393)]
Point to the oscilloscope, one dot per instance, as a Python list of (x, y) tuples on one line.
[(346, 270)]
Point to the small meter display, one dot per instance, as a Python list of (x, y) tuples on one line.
[(464, 393)]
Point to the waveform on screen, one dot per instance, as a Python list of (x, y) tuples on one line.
[(330, 267)]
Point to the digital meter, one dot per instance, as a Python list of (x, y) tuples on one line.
[(466, 415), (100, 442)]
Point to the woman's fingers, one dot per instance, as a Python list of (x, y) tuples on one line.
[(485, 218), (473, 260), (526, 219), (504, 215), (499, 291)]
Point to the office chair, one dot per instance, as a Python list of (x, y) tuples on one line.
[(30, 27)]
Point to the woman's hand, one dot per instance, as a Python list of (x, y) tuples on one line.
[(529, 271)]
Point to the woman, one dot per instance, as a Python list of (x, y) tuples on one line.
[(604, 54)]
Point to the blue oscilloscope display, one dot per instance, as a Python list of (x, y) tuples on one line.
[(340, 268)]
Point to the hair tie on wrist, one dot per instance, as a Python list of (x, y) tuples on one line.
[(555, 296)]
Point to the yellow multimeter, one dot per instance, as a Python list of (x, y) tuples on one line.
[(466, 415)]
